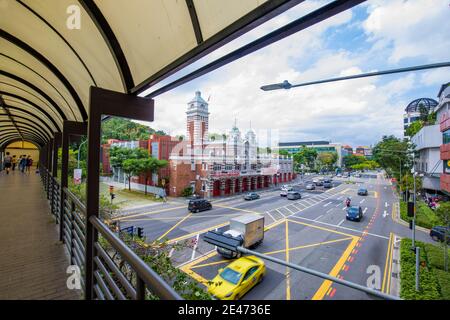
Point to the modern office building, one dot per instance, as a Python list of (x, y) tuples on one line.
[(319, 146), (443, 118), (414, 110), (347, 150)]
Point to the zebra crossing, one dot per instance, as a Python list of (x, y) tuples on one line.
[(301, 205)]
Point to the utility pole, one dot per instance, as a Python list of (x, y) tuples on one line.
[(414, 217), (417, 268)]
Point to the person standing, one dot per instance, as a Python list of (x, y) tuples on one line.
[(7, 162), (14, 162), (29, 163), (23, 163)]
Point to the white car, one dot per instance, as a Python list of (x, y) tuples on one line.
[(284, 192)]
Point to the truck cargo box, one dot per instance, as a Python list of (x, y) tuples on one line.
[(251, 227)]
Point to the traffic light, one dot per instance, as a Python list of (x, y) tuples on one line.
[(410, 211), (140, 232), (113, 195)]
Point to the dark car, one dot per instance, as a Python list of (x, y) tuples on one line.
[(294, 195), (354, 213), (362, 192), (197, 205), (251, 196), (319, 183), (327, 184), (438, 233)]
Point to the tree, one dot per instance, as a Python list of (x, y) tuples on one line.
[(352, 160), (327, 159), (131, 167), (443, 213), (149, 166), (392, 155), (306, 156), (283, 152), (124, 129)]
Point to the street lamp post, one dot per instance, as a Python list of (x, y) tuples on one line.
[(79, 148)]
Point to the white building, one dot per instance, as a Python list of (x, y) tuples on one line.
[(427, 142)]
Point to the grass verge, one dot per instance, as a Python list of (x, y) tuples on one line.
[(434, 281)]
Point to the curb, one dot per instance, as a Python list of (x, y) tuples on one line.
[(399, 220)]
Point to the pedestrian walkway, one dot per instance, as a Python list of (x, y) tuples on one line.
[(33, 261)]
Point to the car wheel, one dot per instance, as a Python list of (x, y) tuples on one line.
[(237, 297), (435, 238), (197, 211)]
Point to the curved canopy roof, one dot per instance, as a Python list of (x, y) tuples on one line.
[(52, 51), (414, 106)]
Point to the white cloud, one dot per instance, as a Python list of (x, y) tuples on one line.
[(410, 29), (356, 111)]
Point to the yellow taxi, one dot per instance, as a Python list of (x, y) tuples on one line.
[(236, 279)]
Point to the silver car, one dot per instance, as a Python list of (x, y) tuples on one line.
[(294, 195), (310, 186)]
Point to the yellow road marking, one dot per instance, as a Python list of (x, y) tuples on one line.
[(174, 226), (178, 217), (386, 264), (321, 228), (147, 213), (288, 278), (389, 276), (186, 236), (187, 268), (326, 284), (309, 245), (211, 263), (238, 209)]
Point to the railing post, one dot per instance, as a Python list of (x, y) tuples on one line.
[(140, 288)]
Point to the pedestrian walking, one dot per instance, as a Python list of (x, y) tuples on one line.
[(23, 163), (14, 163), (7, 161), (29, 163)]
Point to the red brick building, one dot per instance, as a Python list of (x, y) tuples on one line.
[(226, 167), (443, 116)]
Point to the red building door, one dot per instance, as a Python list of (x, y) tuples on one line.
[(216, 188), (227, 186), (244, 185)]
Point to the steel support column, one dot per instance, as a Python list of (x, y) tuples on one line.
[(69, 128), (104, 102)]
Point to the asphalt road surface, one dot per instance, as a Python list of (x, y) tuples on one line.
[(311, 232)]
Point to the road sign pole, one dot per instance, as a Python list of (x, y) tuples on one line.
[(414, 217), (417, 268)]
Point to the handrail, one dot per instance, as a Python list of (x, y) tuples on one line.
[(144, 273), (154, 282)]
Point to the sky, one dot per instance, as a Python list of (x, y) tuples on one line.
[(376, 35)]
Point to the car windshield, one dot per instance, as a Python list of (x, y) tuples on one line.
[(353, 210), (362, 190), (230, 275)]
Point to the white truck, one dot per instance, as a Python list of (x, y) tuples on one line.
[(248, 228)]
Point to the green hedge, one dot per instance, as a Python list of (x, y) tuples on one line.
[(435, 255), (444, 283), (425, 217), (429, 286)]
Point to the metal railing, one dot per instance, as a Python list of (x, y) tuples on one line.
[(118, 272)]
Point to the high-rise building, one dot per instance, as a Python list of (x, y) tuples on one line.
[(443, 118)]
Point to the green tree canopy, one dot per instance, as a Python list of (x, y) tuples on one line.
[(327, 159), (306, 156), (124, 129), (352, 160), (414, 128), (392, 154)]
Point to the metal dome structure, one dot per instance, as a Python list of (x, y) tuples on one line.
[(414, 106)]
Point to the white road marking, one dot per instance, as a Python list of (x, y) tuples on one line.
[(329, 210), (386, 204), (327, 204), (342, 221), (268, 213), (365, 209), (280, 213), (318, 217), (344, 208), (289, 210), (338, 205), (385, 214), (362, 200)]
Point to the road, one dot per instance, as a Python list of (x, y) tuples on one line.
[(311, 232)]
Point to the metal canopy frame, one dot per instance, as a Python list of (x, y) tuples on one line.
[(104, 102), (70, 128)]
